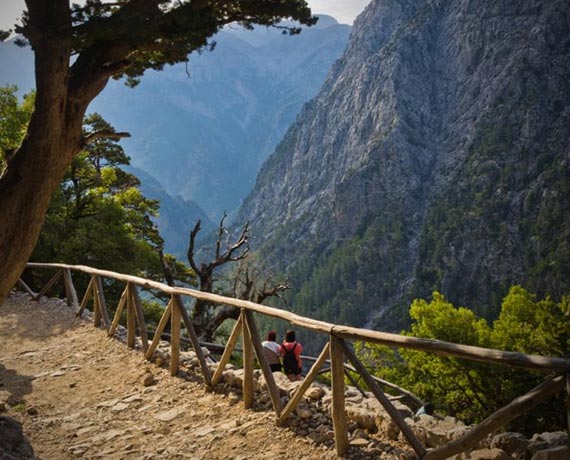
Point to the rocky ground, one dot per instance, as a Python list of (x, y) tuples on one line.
[(81, 394), (68, 391)]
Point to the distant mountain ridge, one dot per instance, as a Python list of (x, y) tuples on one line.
[(176, 216), (212, 128), (435, 156), (203, 131)]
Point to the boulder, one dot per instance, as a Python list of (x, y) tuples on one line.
[(514, 444), (315, 392), (304, 412), (285, 386), (543, 441), (364, 417), (489, 454), (233, 377), (555, 453), (443, 431), (388, 428)]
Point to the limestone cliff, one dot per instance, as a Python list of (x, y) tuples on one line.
[(436, 156)]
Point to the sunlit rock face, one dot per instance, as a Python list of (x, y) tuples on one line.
[(435, 157)]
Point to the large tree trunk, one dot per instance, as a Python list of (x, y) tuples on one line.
[(53, 137)]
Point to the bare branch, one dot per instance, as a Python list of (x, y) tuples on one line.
[(221, 231), (242, 241), (274, 291), (191, 246)]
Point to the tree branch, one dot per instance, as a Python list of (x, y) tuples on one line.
[(191, 246), (166, 268), (103, 134)]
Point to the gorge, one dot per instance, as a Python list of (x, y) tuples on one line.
[(435, 157)]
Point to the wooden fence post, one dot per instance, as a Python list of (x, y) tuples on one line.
[(70, 292), (225, 359), (338, 410), (86, 298), (265, 368), (174, 338), (247, 364), (100, 301), (96, 305), (118, 314), (392, 411), (568, 403), (27, 288), (139, 313), (54, 279), (131, 319), (159, 330), (194, 339)]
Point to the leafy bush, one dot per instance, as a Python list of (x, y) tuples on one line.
[(472, 390)]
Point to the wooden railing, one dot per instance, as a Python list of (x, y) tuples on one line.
[(336, 350)]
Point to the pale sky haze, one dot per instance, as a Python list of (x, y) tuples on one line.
[(343, 10)]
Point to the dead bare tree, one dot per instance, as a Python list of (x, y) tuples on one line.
[(233, 251), (246, 285)]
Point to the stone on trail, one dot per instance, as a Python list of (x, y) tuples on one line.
[(170, 414), (489, 454), (556, 453)]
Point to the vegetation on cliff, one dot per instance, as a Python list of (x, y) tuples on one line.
[(471, 390)]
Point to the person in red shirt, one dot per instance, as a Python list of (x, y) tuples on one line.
[(291, 350)]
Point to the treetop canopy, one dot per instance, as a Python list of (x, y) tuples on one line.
[(126, 37)]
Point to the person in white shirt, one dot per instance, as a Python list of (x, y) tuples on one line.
[(271, 349)]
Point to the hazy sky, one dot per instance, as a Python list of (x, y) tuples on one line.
[(343, 10)]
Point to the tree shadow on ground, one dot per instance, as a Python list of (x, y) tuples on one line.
[(15, 384)]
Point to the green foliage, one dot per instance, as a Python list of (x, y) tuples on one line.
[(533, 327), (153, 311), (152, 34), (98, 216), (13, 120), (471, 390), (344, 284)]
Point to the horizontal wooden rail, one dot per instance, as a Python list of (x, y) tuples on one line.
[(336, 349), (439, 347)]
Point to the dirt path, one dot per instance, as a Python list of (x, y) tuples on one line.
[(80, 395)]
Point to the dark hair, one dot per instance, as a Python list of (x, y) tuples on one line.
[(271, 336), (290, 336), (429, 408)]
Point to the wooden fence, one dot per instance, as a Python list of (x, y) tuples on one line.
[(336, 350)]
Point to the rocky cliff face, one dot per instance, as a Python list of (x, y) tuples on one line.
[(436, 156)]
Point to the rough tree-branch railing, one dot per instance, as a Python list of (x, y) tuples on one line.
[(336, 350)]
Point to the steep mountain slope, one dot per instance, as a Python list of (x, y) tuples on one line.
[(436, 156), (176, 216)]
